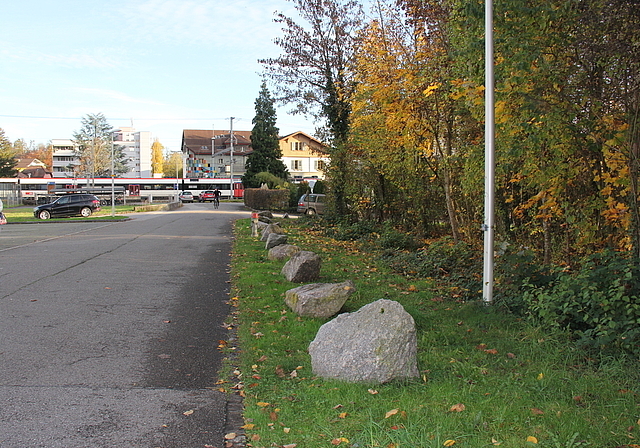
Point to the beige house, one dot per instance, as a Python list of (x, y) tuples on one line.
[(304, 156)]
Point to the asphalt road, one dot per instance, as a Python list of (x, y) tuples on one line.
[(109, 332)]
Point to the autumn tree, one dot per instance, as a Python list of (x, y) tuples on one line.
[(172, 164), (95, 148), (7, 157), (405, 120), (265, 142), (157, 157), (313, 74)]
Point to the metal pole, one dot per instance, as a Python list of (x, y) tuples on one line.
[(231, 161), (213, 141), (489, 161), (113, 175)]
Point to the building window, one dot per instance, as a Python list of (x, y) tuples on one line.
[(320, 165), (297, 146), (296, 165)]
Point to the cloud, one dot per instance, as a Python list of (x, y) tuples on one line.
[(239, 23), (95, 58), (106, 94)]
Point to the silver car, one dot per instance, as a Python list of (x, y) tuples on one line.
[(311, 204)]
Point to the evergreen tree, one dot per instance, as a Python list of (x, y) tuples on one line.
[(265, 142), (7, 157)]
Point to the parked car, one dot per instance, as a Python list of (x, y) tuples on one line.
[(311, 204), (207, 195), (69, 205), (186, 196)]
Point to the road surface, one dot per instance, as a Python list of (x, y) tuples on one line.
[(109, 331)]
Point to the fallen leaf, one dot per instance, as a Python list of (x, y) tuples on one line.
[(286, 430), (492, 351), (262, 358), (339, 440), (255, 437), (291, 445), (459, 407), (248, 426), (539, 377), (262, 404), (273, 416), (230, 436), (449, 443), (536, 411), (342, 415), (372, 391), (391, 412), (532, 439), (481, 346), (189, 412), (280, 372), (511, 356), (495, 442)]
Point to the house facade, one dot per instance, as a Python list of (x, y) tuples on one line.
[(209, 153), (304, 156)]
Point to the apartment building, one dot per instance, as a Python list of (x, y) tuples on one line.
[(137, 150)]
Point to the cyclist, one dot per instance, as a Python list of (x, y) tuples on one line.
[(216, 198)]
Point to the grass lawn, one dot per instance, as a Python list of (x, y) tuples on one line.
[(25, 214), (486, 378)]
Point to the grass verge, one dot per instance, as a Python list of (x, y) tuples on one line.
[(487, 379), (25, 214)]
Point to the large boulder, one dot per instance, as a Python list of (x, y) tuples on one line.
[(275, 239), (376, 344), (282, 252), (321, 300), (269, 229), (302, 267)]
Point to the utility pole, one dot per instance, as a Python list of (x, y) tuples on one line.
[(113, 175), (231, 160), (489, 158), (213, 146)]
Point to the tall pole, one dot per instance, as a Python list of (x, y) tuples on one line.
[(231, 161), (213, 146), (113, 189), (489, 158)]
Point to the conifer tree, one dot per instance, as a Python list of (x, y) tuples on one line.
[(264, 141), (7, 157)]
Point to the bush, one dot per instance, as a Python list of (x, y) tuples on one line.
[(598, 303), (390, 238), (454, 264), (513, 270), (260, 199)]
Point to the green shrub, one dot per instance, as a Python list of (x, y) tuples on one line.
[(343, 231), (598, 303), (391, 238), (515, 268), (454, 264)]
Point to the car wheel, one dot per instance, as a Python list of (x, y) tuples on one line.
[(85, 212), (311, 211), (44, 214)]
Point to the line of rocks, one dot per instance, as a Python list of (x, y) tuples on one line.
[(375, 344)]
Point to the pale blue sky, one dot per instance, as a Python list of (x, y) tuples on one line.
[(167, 65)]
